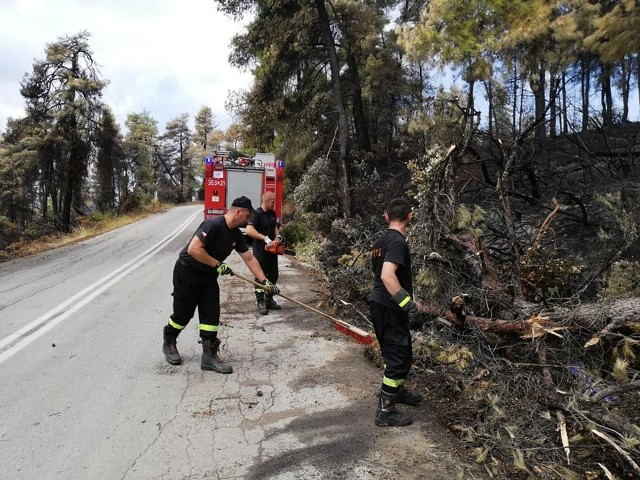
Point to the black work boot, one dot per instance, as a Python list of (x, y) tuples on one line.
[(262, 305), (408, 397), (271, 303), (386, 413), (210, 358), (169, 347)]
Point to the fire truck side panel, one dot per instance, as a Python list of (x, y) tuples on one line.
[(273, 183), (224, 182), (215, 192), (245, 182), (279, 192)]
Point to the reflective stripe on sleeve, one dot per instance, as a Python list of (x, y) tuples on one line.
[(406, 300)]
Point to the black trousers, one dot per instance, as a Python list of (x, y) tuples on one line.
[(193, 290), (268, 263), (392, 331)]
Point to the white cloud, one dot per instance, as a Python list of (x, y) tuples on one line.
[(166, 57)]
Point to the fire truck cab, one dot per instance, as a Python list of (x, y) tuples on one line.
[(226, 178)]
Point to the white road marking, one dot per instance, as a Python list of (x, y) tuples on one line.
[(35, 329)]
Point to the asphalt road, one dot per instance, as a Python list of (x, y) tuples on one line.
[(85, 392)]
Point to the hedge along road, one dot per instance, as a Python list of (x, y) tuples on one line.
[(86, 392)]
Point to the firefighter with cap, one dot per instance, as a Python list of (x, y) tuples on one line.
[(264, 228), (195, 282), (394, 314)]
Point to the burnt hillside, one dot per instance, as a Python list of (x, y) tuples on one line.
[(526, 263)]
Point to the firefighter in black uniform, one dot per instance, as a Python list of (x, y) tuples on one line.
[(394, 313), (264, 228), (195, 282)]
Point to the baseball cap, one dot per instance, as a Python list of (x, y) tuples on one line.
[(242, 202)]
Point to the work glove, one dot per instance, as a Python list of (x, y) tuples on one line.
[(267, 241), (269, 287), (406, 303), (224, 269), (416, 319), (279, 238)]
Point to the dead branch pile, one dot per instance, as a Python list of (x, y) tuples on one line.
[(535, 336), (528, 269), (552, 397), (550, 393)]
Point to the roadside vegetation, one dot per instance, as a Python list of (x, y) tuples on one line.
[(530, 350), (522, 162), (87, 227)]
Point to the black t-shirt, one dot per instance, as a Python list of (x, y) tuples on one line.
[(391, 247), (219, 241), (265, 223)]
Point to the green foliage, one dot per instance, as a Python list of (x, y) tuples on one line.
[(622, 281), (177, 158), (63, 97), (432, 188), (365, 180), (430, 177), (440, 119), (345, 231), (318, 223), (308, 251), (100, 216), (140, 146), (429, 278), (469, 219), (546, 275), (459, 32), (9, 233), (622, 216), (18, 173), (109, 164), (136, 200), (166, 194), (142, 127), (317, 191), (41, 228), (295, 232), (615, 34), (204, 128), (426, 171)]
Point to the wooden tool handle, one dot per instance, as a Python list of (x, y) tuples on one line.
[(308, 307)]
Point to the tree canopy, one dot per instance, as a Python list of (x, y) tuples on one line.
[(507, 124)]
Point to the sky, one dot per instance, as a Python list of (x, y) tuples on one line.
[(165, 56)]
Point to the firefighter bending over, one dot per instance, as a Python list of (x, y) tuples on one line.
[(195, 282), (394, 313), (264, 228)]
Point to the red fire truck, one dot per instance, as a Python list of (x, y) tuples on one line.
[(226, 178)]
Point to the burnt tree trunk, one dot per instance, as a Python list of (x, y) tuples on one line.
[(338, 103), (601, 318)]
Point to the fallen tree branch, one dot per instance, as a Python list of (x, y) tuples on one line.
[(562, 425), (604, 332), (605, 317), (605, 392), (545, 226), (612, 442)]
